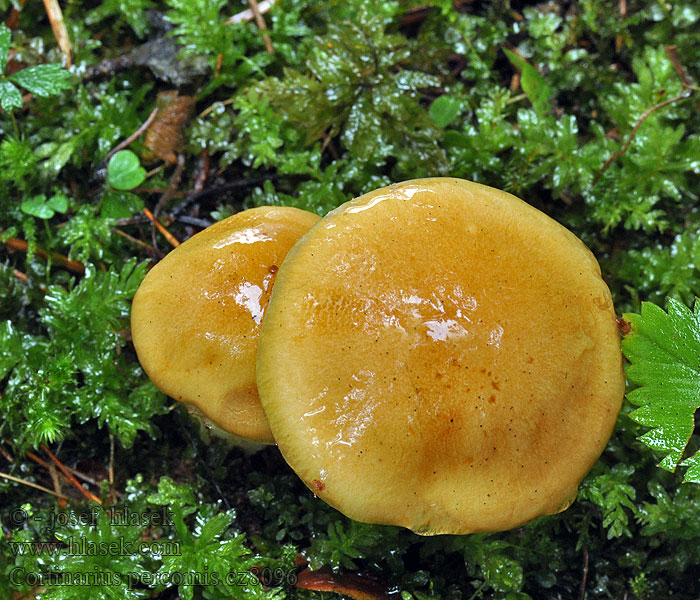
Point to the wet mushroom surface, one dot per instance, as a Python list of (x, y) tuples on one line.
[(440, 355), (196, 316)]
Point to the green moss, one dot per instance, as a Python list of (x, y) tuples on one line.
[(533, 98)]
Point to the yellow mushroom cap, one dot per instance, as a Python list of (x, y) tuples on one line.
[(196, 317), (439, 355)]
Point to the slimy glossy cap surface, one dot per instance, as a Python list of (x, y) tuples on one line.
[(196, 317), (439, 355)]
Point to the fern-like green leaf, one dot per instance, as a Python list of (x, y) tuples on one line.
[(664, 352)]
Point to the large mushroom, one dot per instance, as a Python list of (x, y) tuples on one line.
[(440, 355), (196, 317)]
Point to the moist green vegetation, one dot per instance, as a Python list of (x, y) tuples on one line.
[(587, 110)]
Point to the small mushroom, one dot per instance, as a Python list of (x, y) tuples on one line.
[(442, 356), (196, 317)]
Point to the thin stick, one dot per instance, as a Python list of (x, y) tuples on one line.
[(34, 485), (688, 90), (43, 463), (111, 459), (6, 454), (64, 261), (89, 495), (172, 186), (134, 136), (675, 61), (83, 476), (23, 277), (260, 21), (53, 11), (38, 460), (214, 106), (584, 577), (249, 15), (685, 94), (166, 234), (132, 239), (155, 170), (203, 223), (20, 275), (13, 19), (55, 479), (31, 455)]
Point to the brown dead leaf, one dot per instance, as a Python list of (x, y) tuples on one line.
[(165, 137)]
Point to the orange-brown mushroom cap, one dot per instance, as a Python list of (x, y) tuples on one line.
[(196, 317), (440, 355)]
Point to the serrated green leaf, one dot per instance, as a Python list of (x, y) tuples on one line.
[(5, 41), (124, 171), (444, 110), (533, 84), (664, 354), (9, 96), (43, 80)]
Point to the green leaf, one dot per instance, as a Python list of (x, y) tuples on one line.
[(9, 96), (58, 202), (5, 41), (664, 352), (43, 80), (12, 348), (445, 109), (533, 84), (120, 205), (37, 207), (124, 171)]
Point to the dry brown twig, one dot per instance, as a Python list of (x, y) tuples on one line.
[(32, 484), (249, 15), (134, 136), (165, 233), (260, 21), (132, 239), (13, 19), (88, 494), (584, 574), (60, 259), (172, 188), (53, 11)]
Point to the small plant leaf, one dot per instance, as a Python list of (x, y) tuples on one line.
[(37, 207), (5, 41), (124, 171), (444, 110), (9, 96), (43, 80), (58, 202), (120, 205), (664, 352), (533, 84)]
